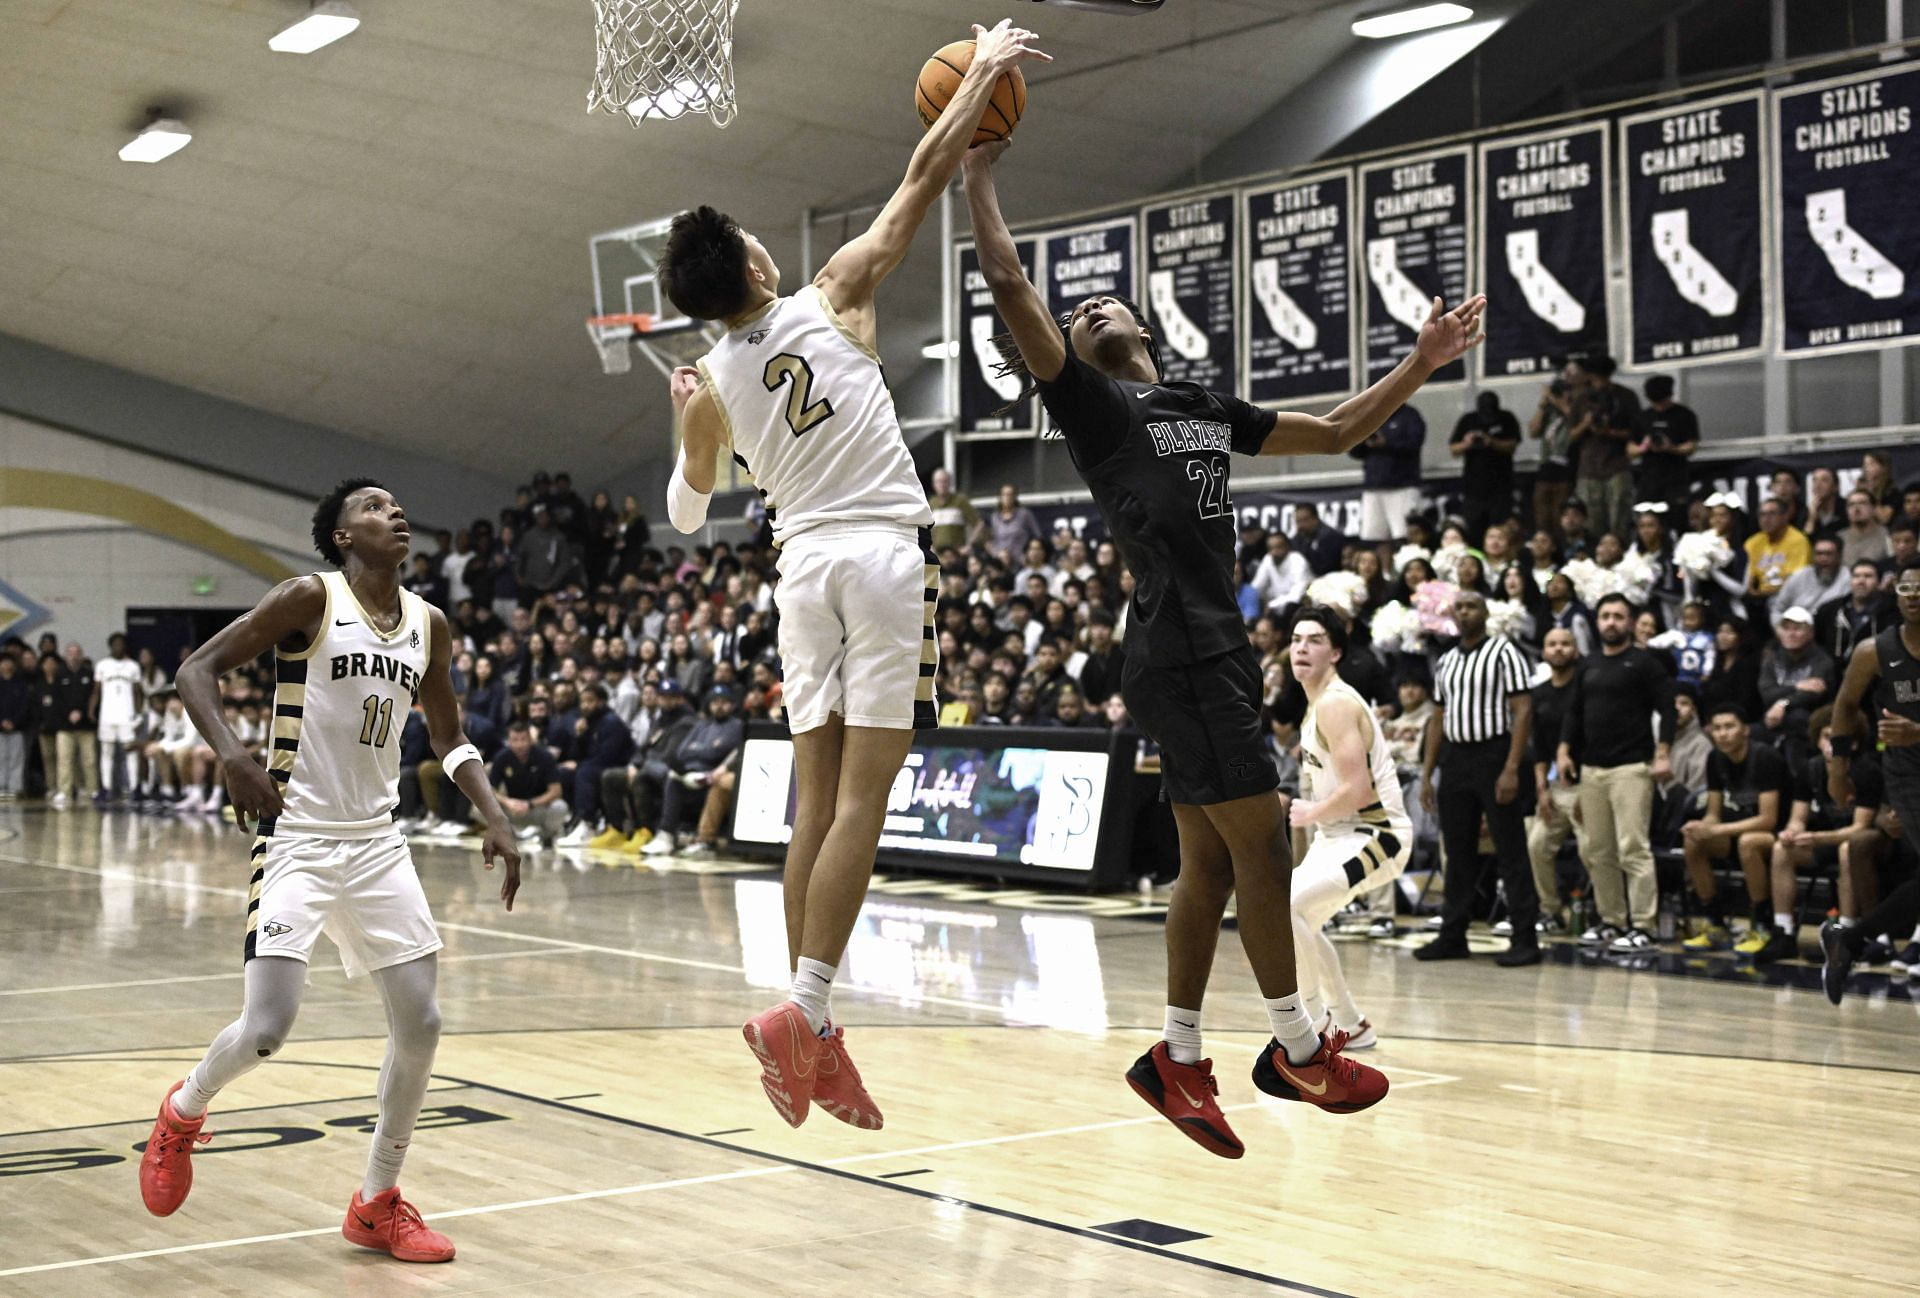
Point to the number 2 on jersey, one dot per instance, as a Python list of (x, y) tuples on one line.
[(802, 417), (1215, 500), (378, 723)]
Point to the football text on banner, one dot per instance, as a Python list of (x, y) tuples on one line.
[(1849, 233), (1414, 237), (1543, 248), (982, 392), (1694, 186), (1190, 300), (1299, 289)]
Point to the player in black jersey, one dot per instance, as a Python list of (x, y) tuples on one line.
[(1156, 457), (1888, 668)]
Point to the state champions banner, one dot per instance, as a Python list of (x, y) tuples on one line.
[(1191, 253), (1544, 214), (1415, 236), (1299, 321), (981, 390), (1084, 261), (1846, 167), (1694, 183)]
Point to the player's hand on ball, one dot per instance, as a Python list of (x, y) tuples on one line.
[(251, 790), (982, 156), (499, 842), (681, 385), (1447, 335), (1004, 45)]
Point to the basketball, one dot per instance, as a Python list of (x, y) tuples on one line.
[(940, 78)]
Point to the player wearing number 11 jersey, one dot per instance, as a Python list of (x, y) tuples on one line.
[(352, 654), (796, 390), (1156, 457)]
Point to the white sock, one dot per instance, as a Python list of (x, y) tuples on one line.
[(1182, 1035), (1847, 921), (812, 984), (1783, 922), (190, 1101), (383, 1165), (1292, 1028)]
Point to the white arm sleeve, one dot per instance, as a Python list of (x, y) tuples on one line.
[(686, 508)]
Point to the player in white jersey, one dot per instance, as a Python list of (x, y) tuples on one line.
[(1362, 835), (352, 653), (795, 388), (117, 700)]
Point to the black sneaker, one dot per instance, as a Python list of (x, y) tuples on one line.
[(1635, 941), (1780, 946), (1599, 935), (1874, 951), (1836, 954), (1444, 948)]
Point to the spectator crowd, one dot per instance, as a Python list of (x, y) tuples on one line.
[(608, 674)]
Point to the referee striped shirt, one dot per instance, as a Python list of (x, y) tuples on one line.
[(1473, 685)]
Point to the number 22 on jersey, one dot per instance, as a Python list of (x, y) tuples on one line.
[(1215, 500), (803, 414)]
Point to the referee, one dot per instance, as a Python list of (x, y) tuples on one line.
[(1485, 718)]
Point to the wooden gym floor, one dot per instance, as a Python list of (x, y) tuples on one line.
[(596, 1121)]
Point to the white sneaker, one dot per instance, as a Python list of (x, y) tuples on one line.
[(448, 829), (527, 833), (428, 823), (697, 848), (1503, 929), (662, 845), (196, 800), (578, 836), (58, 802), (1436, 921), (1362, 1036), (406, 825)]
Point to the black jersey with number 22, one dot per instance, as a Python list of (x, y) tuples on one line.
[(1156, 458)]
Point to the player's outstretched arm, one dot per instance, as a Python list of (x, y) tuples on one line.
[(1446, 336), (852, 274), (287, 618), (461, 760), (702, 433), (1035, 333)]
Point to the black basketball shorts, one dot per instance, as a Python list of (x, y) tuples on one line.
[(1206, 718)]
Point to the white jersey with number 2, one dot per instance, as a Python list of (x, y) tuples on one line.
[(806, 407)]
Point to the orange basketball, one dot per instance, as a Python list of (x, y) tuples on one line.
[(940, 80)]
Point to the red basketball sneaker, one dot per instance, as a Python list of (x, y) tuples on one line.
[(837, 1087), (1329, 1080), (789, 1055), (166, 1169), (1184, 1094), (387, 1223)]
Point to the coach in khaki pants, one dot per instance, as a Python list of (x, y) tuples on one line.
[(1619, 695)]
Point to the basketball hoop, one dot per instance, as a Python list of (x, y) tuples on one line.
[(663, 58), (612, 334)]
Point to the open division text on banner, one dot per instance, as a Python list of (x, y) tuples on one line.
[(1847, 163), (1543, 248), (1414, 245), (982, 391), (1192, 287), (1299, 289), (1694, 184), (1086, 261)]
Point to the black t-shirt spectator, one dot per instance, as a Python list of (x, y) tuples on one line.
[(526, 779), (1323, 549), (76, 695), (1810, 787), (1549, 718), (1610, 718), (1658, 475), (1740, 784), (1487, 472), (16, 703)]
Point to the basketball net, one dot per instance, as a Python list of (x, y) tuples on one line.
[(663, 58)]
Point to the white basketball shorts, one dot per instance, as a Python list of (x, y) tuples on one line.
[(1341, 865), (856, 605), (118, 732), (362, 893)]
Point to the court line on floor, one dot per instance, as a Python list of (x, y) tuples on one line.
[(509, 935), (779, 1163), (648, 1187), (241, 973)]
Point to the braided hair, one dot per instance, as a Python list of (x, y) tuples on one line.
[(1013, 365)]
